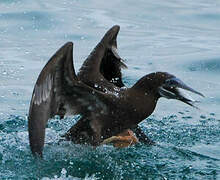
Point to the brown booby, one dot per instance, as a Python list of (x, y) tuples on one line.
[(108, 111)]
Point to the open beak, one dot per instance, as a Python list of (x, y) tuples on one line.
[(171, 90)]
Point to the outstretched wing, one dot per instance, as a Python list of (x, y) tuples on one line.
[(48, 97), (94, 106), (58, 91), (103, 66)]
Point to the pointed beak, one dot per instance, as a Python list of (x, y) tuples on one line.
[(171, 90)]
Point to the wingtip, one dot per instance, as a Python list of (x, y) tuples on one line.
[(37, 155), (115, 28), (111, 35), (202, 95), (66, 47), (36, 150), (69, 44)]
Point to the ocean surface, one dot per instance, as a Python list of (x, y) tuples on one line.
[(180, 37)]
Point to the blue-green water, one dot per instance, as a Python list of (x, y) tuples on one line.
[(181, 37)]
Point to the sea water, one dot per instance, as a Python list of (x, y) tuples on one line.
[(180, 37)]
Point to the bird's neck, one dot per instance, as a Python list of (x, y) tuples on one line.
[(143, 101)]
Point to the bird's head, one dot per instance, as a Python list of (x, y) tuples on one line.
[(163, 84)]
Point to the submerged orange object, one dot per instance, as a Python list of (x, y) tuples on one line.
[(124, 139)]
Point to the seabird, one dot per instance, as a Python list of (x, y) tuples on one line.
[(109, 112)]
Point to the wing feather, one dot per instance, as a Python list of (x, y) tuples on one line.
[(103, 65), (47, 98), (57, 92)]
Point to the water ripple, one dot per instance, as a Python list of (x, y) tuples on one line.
[(209, 65)]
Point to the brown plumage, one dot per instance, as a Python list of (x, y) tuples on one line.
[(95, 93)]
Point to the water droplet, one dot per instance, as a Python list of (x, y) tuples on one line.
[(212, 114), (96, 85), (203, 117), (63, 172)]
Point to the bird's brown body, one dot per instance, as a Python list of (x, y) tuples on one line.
[(97, 93), (123, 112)]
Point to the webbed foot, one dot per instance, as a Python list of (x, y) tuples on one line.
[(124, 139)]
